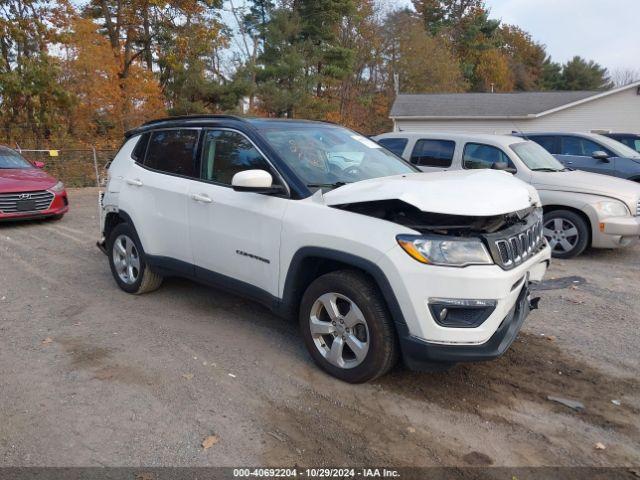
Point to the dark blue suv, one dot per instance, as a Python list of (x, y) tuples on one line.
[(631, 140), (590, 152)]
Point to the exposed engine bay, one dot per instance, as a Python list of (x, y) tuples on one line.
[(409, 216)]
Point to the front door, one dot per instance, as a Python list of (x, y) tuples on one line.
[(234, 234), (577, 152)]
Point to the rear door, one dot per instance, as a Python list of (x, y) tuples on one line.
[(432, 155), (396, 145), (577, 152), (234, 235), (156, 191)]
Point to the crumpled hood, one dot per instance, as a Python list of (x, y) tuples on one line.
[(24, 180), (590, 183), (469, 192)]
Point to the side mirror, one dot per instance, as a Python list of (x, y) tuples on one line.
[(38, 164), (504, 166), (600, 155), (256, 181)]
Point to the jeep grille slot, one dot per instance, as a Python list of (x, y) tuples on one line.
[(514, 247)]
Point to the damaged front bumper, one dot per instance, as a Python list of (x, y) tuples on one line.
[(422, 355)]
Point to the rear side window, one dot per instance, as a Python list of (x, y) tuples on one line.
[(579, 146), (225, 153), (550, 144), (433, 153), (477, 155), (630, 142), (395, 145), (141, 148), (174, 152)]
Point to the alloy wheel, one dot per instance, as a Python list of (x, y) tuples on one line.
[(339, 330), (562, 235), (126, 259)]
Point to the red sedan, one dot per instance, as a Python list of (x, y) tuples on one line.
[(26, 191)]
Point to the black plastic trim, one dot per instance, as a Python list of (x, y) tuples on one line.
[(167, 266), (421, 355), (295, 270)]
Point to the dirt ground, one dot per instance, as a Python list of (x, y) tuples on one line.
[(91, 376)]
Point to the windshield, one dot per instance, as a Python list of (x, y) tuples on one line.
[(12, 159), (620, 149), (327, 156), (536, 157)]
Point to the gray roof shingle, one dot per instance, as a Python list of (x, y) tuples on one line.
[(482, 104)]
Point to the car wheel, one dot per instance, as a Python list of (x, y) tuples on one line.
[(127, 261), (347, 327), (567, 233)]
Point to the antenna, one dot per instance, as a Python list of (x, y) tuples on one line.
[(519, 130)]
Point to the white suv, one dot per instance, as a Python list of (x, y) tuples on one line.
[(374, 258)]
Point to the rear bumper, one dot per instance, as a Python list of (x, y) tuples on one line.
[(422, 355), (59, 206)]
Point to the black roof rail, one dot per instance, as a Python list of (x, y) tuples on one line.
[(193, 117), (171, 121)]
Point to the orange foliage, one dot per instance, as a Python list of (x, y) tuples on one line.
[(492, 67), (104, 99)]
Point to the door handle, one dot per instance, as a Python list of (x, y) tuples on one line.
[(201, 198), (568, 162), (135, 182)]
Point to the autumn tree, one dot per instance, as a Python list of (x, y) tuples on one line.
[(105, 104), (424, 63), (32, 100), (525, 57)]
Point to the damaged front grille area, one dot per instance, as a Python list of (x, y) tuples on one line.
[(513, 246), (511, 238)]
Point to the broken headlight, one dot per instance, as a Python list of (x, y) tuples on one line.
[(446, 251)]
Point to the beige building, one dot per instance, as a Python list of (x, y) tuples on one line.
[(615, 110)]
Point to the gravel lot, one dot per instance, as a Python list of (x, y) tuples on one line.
[(91, 376)]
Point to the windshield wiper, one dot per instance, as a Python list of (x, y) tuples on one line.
[(327, 185), (546, 169)]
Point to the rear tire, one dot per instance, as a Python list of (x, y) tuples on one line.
[(567, 233), (345, 309), (128, 262)]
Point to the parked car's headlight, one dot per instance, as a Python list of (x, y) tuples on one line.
[(452, 252), (612, 208), (58, 187)]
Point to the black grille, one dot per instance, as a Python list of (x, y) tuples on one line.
[(25, 201), (513, 246)]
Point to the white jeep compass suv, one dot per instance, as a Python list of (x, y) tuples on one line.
[(375, 259)]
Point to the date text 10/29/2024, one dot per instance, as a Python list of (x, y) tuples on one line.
[(316, 472)]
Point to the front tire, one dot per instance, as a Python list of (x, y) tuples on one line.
[(128, 263), (347, 327), (567, 233)]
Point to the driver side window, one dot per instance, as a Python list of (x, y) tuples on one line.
[(580, 147), (477, 155), (225, 153)]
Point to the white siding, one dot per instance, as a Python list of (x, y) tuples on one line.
[(618, 112)]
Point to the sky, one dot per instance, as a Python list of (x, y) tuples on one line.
[(607, 31)]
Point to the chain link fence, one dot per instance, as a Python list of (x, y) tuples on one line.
[(76, 167)]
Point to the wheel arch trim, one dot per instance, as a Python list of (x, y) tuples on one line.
[(291, 292)]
